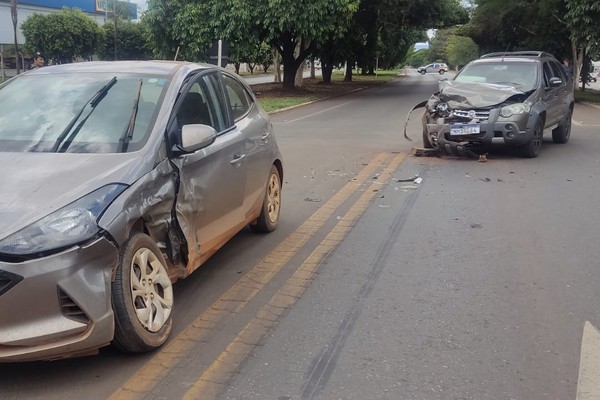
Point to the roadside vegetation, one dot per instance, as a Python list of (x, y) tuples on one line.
[(273, 97), (589, 96)]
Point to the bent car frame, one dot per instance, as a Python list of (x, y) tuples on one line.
[(118, 179)]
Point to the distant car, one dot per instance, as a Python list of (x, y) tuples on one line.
[(440, 68), (120, 178), (513, 97)]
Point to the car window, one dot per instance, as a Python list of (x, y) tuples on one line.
[(548, 73), (558, 70), (200, 105), (239, 100), (85, 113)]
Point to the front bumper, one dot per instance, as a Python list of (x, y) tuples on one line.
[(513, 131), (58, 306)]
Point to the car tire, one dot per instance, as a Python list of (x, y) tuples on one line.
[(442, 72), (532, 148), (562, 132), (142, 295), (269, 215), (422, 72)]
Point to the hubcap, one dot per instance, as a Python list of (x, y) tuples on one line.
[(151, 290), (273, 198)]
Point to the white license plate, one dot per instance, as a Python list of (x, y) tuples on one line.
[(456, 130)]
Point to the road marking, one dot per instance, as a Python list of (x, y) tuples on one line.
[(239, 295), (316, 113), (212, 382), (588, 384)]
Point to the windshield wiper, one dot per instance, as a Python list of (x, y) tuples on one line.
[(128, 133), (93, 102)]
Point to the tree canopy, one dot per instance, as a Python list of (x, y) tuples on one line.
[(63, 35)]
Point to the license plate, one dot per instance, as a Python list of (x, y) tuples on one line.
[(472, 129)]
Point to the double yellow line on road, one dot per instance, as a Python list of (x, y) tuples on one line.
[(212, 381)]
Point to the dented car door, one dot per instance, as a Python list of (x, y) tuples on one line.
[(212, 179)]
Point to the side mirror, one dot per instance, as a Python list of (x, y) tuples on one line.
[(197, 136), (555, 81)]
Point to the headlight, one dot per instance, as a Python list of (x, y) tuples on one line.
[(72, 224), (512, 109)]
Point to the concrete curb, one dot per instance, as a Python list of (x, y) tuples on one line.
[(590, 104)]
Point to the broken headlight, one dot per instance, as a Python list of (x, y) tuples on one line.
[(72, 224), (512, 109)]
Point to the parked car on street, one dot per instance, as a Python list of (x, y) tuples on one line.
[(512, 97), (118, 179), (440, 68)]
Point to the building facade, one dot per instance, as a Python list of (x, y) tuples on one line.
[(98, 10)]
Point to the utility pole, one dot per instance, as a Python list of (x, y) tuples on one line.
[(115, 17), (13, 13)]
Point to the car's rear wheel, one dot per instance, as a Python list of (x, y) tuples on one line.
[(271, 208), (142, 296), (562, 132), (442, 72), (532, 149)]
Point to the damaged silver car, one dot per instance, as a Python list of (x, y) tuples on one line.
[(513, 98), (118, 179)]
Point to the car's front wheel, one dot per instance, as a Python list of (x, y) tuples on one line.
[(142, 295), (562, 132), (271, 208), (422, 72), (532, 148)]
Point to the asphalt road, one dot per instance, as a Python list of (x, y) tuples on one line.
[(473, 283)]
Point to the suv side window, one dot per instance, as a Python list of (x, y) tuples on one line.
[(558, 70), (548, 73)]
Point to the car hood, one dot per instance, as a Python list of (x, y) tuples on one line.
[(475, 95), (36, 184)]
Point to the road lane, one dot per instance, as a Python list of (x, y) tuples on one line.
[(484, 292)]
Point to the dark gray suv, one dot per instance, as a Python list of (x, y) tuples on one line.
[(512, 98)]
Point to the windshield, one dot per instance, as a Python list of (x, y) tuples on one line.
[(522, 75), (87, 113)]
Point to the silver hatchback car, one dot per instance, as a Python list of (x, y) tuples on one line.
[(118, 179)]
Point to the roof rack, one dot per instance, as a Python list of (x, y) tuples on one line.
[(517, 53)]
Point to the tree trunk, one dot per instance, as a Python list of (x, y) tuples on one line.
[(313, 74), (277, 66), (349, 67), (326, 71), (289, 70), (237, 66)]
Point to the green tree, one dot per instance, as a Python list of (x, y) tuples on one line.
[(177, 27), (295, 28), (131, 42), (418, 58), (62, 36), (582, 20), (460, 50)]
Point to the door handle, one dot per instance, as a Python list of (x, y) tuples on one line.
[(265, 137), (237, 159)]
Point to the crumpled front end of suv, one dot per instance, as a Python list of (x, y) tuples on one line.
[(463, 114)]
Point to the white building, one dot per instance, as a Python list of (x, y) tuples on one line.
[(96, 9)]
